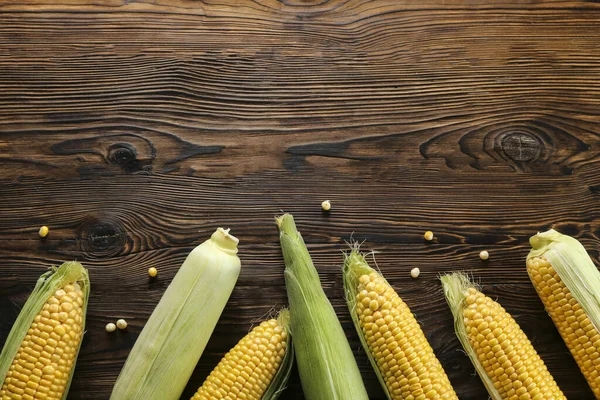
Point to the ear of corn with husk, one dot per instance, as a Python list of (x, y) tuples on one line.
[(172, 341), (568, 284), (400, 354), (257, 368), (502, 354), (40, 353), (325, 361)]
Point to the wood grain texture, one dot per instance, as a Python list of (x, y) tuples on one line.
[(134, 129)]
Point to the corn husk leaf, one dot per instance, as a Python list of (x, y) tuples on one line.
[(47, 284), (172, 341), (328, 370), (355, 265), (279, 382), (455, 289), (574, 266)]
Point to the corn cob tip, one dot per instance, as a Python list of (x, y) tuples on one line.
[(283, 318), (225, 241), (286, 224), (541, 240)]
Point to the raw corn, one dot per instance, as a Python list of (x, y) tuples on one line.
[(403, 360), (503, 356), (551, 249), (38, 359), (328, 370), (172, 341), (257, 368)]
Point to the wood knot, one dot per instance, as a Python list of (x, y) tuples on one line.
[(103, 237), (125, 156), (521, 146)]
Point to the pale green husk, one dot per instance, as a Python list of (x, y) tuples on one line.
[(455, 289), (574, 267), (172, 341), (280, 379), (45, 287), (355, 265), (327, 367)]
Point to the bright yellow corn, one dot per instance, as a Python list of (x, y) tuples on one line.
[(502, 354), (397, 347), (256, 368), (573, 324), (43, 363)]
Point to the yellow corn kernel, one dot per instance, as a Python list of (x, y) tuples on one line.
[(500, 351), (43, 232), (246, 371), (572, 323), (403, 355), (41, 354)]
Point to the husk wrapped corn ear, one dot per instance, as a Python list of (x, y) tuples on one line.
[(172, 341), (328, 370)]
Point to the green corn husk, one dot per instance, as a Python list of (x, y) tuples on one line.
[(280, 380), (455, 286), (325, 361), (574, 266), (45, 287), (172, 341)]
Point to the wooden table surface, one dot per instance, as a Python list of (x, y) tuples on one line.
[(135, 129)]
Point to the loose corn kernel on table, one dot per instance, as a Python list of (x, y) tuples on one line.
[(132, 130)]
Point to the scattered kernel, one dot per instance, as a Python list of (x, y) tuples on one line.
[(121, 324), (415, 272), (111, 327), (326, 205), (152, 272), (44, 231), (428, 235), (484, 255)]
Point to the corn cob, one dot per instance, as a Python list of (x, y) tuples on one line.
[(257, 368), (39, 356), (172, 341), (503, 356), (328, 370), (555, 256), (399, 352)]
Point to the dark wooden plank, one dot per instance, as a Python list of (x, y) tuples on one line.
[(134, 129)]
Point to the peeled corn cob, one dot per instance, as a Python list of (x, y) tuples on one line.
[(327, 367), (503, 356), (403, 360), (172, 341), (39, 356), (555, 256), (257, 368)]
